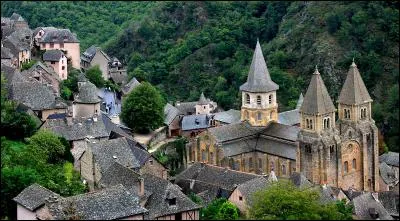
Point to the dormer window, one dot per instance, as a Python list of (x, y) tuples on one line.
[(247, 99), (172, 202), (259, 100)]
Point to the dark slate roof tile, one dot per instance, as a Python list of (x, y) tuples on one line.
[(390, 200), (126, 89), (186, 107), (193, 122), (170, 112), (52, 55), (33, 196), (354, 90), (282, 131), (390, 158), (234, 131), (290, 118), (388, 174), (364, 202), (247, 189), (229, 117), (58, 36), (87, 93)]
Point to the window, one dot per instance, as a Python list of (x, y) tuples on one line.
[(272, 166), (354, 164), (363, 113), (151, 162), (63, 68), (203, 155), (247, 99), (204, 107), (308, 148), (211, 157), (40, 33), (51, 45), (251, 162), (53, 62), (270, 99), (346, 113), (240, 198), (172, 201), (326, 123), (311, 124), (258, 99), (350, 134), (259, 163), (283, 169), (120, 72), (61, 45), (346, 167), (332, 148), (62, 61), (259, 115)]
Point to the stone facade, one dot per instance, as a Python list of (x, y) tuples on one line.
[(72, 51), (259, 108)]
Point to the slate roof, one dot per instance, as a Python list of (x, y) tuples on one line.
[(107, 151), (111, 203), (59, 35), (365, 201), (12, 75), (234, 131), (35, 95), (194, 122), (387, 174), (291, 117), (77, 130), (112, 127), (186, 107), (229, 117), (351, 193), (205, 174), (14, 45), (127, 88), (33, 196), (390, 200), (6, 53), (87, 93), (282, 131), (57, 116), (247, 189), (317, 99), (45, 29), (354, 90), (202, 100), (52, 55), (300, 180), (89, 54), (157, 203), (170, 112), (390, 158), (258, 79)]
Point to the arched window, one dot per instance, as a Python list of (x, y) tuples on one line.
[(311, 125), (231, 163), (270, 99), (203, 155), (259, 163), (350, 134), (324, 124), (251, 162), (244, 164), (283, 169), (247, 98), (259, 115), (211, 157), (328, 123), (332, 148), (258, 99), (354, 165), (346, 113), (346, 167)]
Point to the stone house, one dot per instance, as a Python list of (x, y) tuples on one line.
[(210, 182), (44, 74), (387, 178), (99, 156), (19, 46), (192, 125), (117, 72), (107, 204), (86, 103), (162, 199), (7, 58), (62, 39), (30, 200), (95, 56), (37, 96), (39, 32), (57, 60), (172, 120)]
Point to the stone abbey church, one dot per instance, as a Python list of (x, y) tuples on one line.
[(339, 152)]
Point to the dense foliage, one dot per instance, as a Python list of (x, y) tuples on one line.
[(95, 76), (173, 155), (283, 201), (94, 22), (219, 209), (184, 48), (143, 108)]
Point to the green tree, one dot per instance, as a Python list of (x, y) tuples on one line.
[(47, 147), (219, 209), (27, 65), (283, 200), (227, 211), (143, 109), (95, 76)]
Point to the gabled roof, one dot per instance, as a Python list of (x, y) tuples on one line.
[(258, 79), (162, 190), (281, 131), (390, 200), (110, 203), (185, 107), (317, 99), (33, 196), (58, 36), (234, 131), (247, 189), (89, 54), (52, 55), (229, 117), (126, 89), (170, 112), (194, 122), (112, 127), (45, 29), (300, 180), (364, 202), (16, 17), (390, 158), (387, 174), (354, 90)]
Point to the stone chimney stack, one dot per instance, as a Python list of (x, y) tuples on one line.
[(141, 187)]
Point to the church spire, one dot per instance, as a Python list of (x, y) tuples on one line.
[(258, 79), (300, 101), (317, 99), (354, 91), (202, 100)]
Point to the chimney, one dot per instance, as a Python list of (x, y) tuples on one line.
[(141, 187)]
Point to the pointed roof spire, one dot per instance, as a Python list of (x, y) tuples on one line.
[(202, 100), (258, 79), (300, 101), (354, 90), (317, 99)]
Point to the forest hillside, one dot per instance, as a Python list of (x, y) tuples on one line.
[(185, 48)]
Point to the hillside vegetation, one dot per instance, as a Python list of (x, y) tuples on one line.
[(185, 48)]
